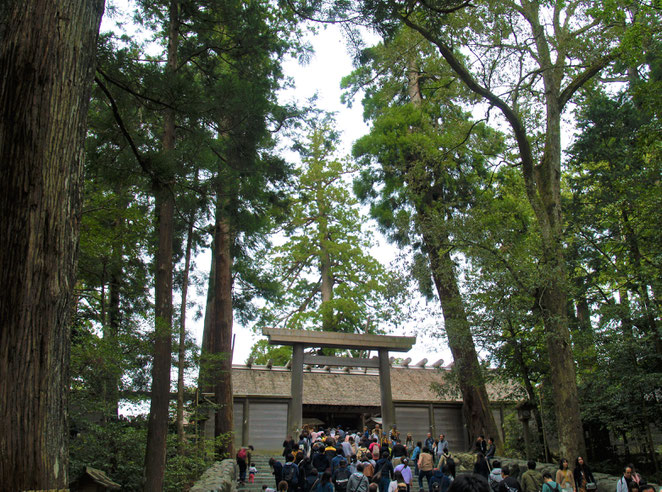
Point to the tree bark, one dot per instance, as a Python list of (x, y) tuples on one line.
[(181, 362), (47, 52), (157, 429), (111, 329), (475, 403), (205, 379), (326, 283), (222, 329)]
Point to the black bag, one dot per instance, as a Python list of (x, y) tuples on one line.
[(290, 474), (378, 476)]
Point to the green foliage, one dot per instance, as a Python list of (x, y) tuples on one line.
[(262, 352), (326, 275), (117, 448)]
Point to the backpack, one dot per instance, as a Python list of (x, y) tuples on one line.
[(290, 474), (368, 469), (342, 477), (375, 452), (362, 453), (242, 454)]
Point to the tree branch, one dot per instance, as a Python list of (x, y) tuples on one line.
[(584, 77), (144, 163)]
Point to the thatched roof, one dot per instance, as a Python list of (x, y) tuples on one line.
[(344, 386)]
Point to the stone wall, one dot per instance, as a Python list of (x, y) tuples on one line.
[(220, 477)]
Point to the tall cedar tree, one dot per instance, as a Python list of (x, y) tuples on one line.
[(428, 164), (47, 51), (329, 280), (157, 431), (245, 178)]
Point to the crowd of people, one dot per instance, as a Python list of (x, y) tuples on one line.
[(334, 460)]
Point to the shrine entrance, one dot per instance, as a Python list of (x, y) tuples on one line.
[(348, 417), (300, 339)]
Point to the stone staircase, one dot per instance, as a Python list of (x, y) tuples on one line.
[(264, 476)]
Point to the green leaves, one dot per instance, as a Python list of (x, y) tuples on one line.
[(328, 279)]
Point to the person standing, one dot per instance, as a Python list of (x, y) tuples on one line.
[(429, 442), (242, 459), (291, 473), (415, 455), (425, 467), (358, 482), (276, 470), (324, 485), (509, 483), (442, 446), (482, 468), (384, 468), (623, 483), (398, 452), (409, 444), (531, 478), (564, 477), (549, 485), (404, 469), (288, 446), (495, 475), (582, 475)]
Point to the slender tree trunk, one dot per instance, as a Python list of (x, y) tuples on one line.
[(222, 328), (157, 430), (181, 362), (47, 52), (327, 285), (528, 386), (111, 330), (205, 379), (476, 406)]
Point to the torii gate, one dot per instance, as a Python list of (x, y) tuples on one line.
[(299, 339)]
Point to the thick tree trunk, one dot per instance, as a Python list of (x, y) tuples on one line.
[(553, 299), (181, 362), (47, 50), (475, 403), (205, 379), (157, 429), (155, 454), (222, 329)]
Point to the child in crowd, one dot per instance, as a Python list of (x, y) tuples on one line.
[(252, 470)]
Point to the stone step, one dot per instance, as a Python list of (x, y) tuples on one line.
[(265, 477)]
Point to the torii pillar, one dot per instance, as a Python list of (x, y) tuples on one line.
[(299, 339)]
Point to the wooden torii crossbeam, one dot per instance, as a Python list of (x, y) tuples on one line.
[(299, 339)]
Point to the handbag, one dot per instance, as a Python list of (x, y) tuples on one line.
[(378, 476)]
